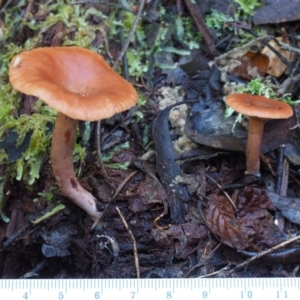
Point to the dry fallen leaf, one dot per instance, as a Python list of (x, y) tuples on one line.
[(276, 66), (149, 193), (253, 64), (221, 220), (250, 226), (245, 61), (256, 221)]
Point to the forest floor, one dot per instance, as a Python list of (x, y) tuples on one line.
[(170, 179)]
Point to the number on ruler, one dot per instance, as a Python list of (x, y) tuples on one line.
[(97, 295), (247, 295), (61, 295), (25, 296), (169, 295), (204, 295), (132, 295)]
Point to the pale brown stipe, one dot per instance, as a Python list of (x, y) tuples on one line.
[(259, 109), (80, 85)]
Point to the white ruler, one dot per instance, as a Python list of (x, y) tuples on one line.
[(154, 289)]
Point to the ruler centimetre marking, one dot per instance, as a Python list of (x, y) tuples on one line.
[(154, 289)]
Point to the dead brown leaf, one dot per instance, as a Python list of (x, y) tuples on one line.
[(256, 221), (276, 66), (221, 220), (252, 65), (149, 192), (243, 61)]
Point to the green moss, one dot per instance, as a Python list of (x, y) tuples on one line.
[(27, 29), (27, 166), (155, 41), (9, 103), (247, 7), (80, 31), (265, 88), (217, 21)]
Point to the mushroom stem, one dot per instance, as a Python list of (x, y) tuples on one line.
[(62, 165), (256, 127)]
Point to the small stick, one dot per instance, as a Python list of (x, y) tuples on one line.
[(136, 258), (278, 217), (264, 253), (122, 38), (16, 235), (121, 185), (131, 34), (225, 193), (98, 146), (117, 191), (35, 271), (285, 177), (285, 86), (285, 46), (196, 13), (203, 261), (116, 64), (216, 272)]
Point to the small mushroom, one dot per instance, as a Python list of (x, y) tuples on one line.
[(259, 109), (80, 85)]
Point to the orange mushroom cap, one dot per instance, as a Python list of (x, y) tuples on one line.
[(75, 81), (259, 106)]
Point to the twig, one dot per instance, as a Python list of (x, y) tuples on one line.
[(265, 42), (136, 258), (116, 64), (276, 52), (225, 193), (34, 272), (264, 253), (203, 261), (121, 185), (216, 272), (117, 191), (285, 46), (196, 14), (280, 169), (157, 219), (285, 177), (82, 247), (16, 235), (100, 161), (278, 219), (285, 86), (131, 34), (5, 5), (122, 39)]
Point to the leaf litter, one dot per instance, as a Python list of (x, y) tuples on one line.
[(166, 248)]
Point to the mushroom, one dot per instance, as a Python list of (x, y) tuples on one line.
[(80, 85), (259, 109)]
